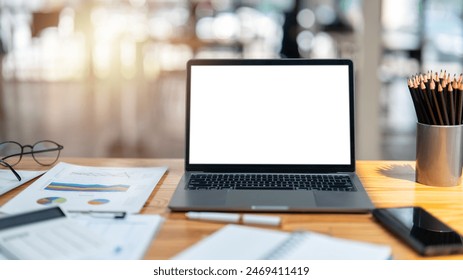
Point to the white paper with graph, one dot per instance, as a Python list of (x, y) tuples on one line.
[(84, 188)]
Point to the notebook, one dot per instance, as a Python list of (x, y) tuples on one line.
[(235, 242), (270, 135)]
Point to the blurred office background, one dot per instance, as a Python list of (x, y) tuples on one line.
[(106, 78)]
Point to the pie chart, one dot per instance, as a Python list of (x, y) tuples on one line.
[(53, 200), (98, 201)]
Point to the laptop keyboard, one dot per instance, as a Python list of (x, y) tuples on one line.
[(247, 181)]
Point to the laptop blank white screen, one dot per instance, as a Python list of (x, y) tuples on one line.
[(275, 114)]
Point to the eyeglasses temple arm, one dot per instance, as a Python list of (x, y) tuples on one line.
[(7, 157), (4, 163)]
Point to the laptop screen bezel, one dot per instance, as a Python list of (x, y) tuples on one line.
[(272, 168)]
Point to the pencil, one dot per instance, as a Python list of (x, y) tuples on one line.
[(440, 92), (416, 102), (427, 92), (432, 88), (455, 91), (437, 97), (428, 103), (421, 103), (441, 76), (452, 104), (460, 104)]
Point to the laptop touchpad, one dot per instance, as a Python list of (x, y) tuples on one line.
[(206, 198), (289, 199)]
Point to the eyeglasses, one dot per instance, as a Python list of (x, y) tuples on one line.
[(44, 152)]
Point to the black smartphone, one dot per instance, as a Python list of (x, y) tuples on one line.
[(422, 231)]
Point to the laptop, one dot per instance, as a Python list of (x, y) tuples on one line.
[(270, 135)]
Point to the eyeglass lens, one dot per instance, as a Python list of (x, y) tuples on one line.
[(45, 152), (10, 152)]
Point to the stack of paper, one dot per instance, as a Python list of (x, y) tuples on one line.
[(49, 234), (90, 196)]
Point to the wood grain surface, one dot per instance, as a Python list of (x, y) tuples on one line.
[(388, 183)]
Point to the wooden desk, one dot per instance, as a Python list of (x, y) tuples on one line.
[(389, 183)]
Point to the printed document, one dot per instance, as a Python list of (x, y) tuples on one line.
[(129, 237), (48, 235), (8, 181), (84, 188)]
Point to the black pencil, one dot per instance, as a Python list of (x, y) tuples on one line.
[(452, 104), (427, 102), (440, 93), (421, 103), (419, 114), (441, 76), (436, 77), (432, 98), (460, 104), (455, 96), (432, 88), (437, 97)]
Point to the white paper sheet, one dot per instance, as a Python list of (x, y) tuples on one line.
[(54, 238), (83, 188), (235, 242), (8, 181), (130, 237)]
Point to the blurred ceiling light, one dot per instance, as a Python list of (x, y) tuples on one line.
[(204, 28), (173, 57), (50, 54), (247, 17), (179, 16), (226, 26), (401, 40), (138, 29), (266, 27), (102, 59), (324, 46), (76, 56), (305, 18), (66, 22), (400, 15), (158, 57), (31, 5), (160, 28), (449, 44), (305, 40), (22, 35), (99, 16), (325, 14)]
